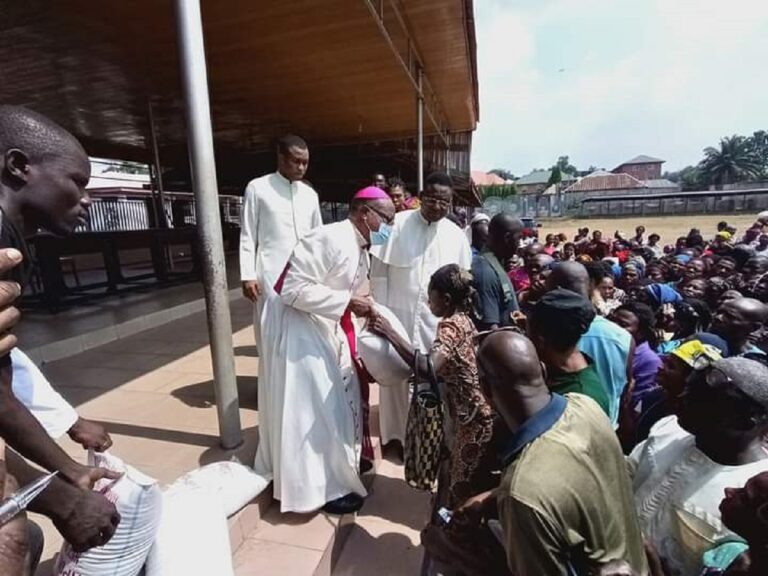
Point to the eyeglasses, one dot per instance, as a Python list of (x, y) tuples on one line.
[(436, 202), (387, 219)]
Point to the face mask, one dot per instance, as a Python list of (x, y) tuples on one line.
[(381, 235)]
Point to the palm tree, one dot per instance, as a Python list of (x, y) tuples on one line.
[(732, 162)]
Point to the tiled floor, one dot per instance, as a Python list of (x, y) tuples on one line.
[(154, 392)]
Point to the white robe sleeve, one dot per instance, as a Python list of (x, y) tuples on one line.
[(465, 255), (304, 285), (379, 281), (249, 235), (317, 216), (33, 390)]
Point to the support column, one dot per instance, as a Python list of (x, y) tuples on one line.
[(203, 169), (420, 135), (161, 220)]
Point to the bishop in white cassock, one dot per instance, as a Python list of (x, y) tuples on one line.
[(279, 209), (421, 242), (310, 448)]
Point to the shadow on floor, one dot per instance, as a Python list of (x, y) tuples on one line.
[(248, 351), (378, 555), (201, 395), (391, 499)]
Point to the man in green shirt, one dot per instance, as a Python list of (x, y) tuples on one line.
[(565, 501), (557, 323)]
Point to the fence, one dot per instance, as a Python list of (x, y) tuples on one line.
[(117, 213), (709, 202)]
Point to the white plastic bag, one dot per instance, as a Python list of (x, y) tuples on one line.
[(379, 356), (230, 483), (193, 538), (138, 500)]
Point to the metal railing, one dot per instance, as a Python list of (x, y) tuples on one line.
[(117, 214)]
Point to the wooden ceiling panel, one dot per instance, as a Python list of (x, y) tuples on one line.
[(317, 67)]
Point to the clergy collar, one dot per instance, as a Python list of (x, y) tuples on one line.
[(283, 178), (534, 427)]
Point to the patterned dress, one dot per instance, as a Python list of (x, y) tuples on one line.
[(472, 456)]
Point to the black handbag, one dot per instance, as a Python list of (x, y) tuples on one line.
[(424, 431)]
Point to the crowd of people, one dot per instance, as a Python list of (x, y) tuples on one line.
[(604, 401), (601, 396)]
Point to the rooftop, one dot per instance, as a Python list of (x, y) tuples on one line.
[(481, 178), (602, 180), (660, 183), (643, 159), (541, 177), (273, 67)]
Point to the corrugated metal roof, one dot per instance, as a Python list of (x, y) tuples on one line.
[(487, 179), (541, 177), (642, 159), (660, 183), (606, 181)]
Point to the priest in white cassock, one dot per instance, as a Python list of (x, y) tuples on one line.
[(311, 449), (421, 242), (279, 209)]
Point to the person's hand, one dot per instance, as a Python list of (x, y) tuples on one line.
[(251, 290), (9, 291), (475, 508), (380, 325), (13, 535), (85, 477), (90, 435), (90, 522), (361, 306), (520, 320)]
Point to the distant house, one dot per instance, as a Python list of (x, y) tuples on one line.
[(641, 167), (487, 179), (604, 183), (536, 181)]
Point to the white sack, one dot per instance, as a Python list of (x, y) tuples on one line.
[(193, 538), (230, 483), (138, 500), (379, 356)]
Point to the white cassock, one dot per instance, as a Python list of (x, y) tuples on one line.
[(310, 448), (400, 274), (276, 213)]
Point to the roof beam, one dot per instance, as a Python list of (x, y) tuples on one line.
[(411, 62)]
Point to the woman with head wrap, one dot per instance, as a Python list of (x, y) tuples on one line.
[(661, 294), (631, 274), (687, 318), (677, 267)]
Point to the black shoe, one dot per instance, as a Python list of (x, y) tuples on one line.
[(365, 465), (344, 505), (395, 448)]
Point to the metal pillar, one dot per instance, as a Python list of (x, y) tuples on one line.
[(420, 134), (160, 211), (203, 168)]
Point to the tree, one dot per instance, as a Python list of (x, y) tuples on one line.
[(565, 166), (758, 144), (734, 161), (556, 177), (502, 173)]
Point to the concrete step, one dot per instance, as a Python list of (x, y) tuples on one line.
[(291, 544)]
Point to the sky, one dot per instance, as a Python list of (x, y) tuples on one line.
[(605, 80)]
